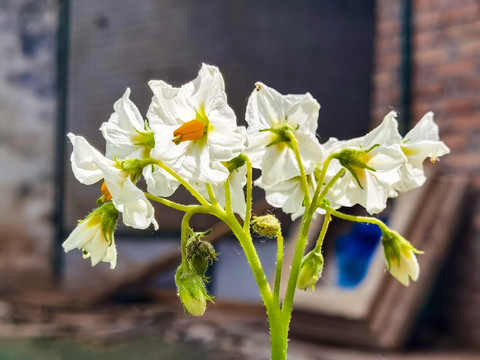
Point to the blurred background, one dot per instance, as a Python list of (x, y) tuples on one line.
[(64, 63)]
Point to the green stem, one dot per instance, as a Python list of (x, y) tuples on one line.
[(326, 221), (303, 176), (211, 195), (248, 211), (187, 186), (327, 187), (186, 231), (169, 203), (323, 173), (228, 196), (278, 270), (363, 219)]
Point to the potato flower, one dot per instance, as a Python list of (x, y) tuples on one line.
[(270, 116), (195, 129), (94, 236), (89, 167)]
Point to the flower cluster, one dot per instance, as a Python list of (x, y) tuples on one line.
[(190, 137)]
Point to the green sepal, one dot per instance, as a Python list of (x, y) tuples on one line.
[(393, 245), (200, 254), (235, 163), (191, 290), (107, 216), (351, 159), (145, 138), (133, 167), (311, 269), (284, 134)]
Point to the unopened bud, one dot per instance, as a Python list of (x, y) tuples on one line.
[(191, 290), (200, 254), (266, 225), (311, 269), (400, 257)]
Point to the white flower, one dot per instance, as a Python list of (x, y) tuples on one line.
[(407, 268), (421, 142), (89, 167), (400, 257), (94, 236), (372, 162), (288, 195), (194, 127), (127, 137), (269, 114)]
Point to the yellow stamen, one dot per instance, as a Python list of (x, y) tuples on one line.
[(105, 192), (191, 130)]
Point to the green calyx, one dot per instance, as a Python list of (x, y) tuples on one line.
[(145, 138), (200, 254), (191, 290), (133, 167), (355, 161), (283, 132), (235, 163), (393, 246), (107, 216), (311, 269), (266, 225)]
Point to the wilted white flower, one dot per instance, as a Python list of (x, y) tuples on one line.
[(195, 129), (421, 142), (270, 115), (89, 167), (94, 236)]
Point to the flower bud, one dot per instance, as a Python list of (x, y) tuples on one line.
[(266, 225), (200, 254), (191, 290), (311, 269), (400, 257)]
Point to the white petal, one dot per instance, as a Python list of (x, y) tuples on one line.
[(82, 234), (85, 160), (264, 108), (136, 209), (159, 182)]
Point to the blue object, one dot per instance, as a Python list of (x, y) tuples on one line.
[(353, 253)]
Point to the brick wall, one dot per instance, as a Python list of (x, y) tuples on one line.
[(446, 80)]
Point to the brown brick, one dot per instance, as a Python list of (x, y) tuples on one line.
[(455, 69), (463, 161), (428, 90), (458, 106), (467, 122), (389, 28), (455, 141), (430, 56), (469, 49)]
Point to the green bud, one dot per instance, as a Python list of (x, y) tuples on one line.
[(235, 163), (266, 225), (191, 290), (311, 269), (200, 254), (355, 161)]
